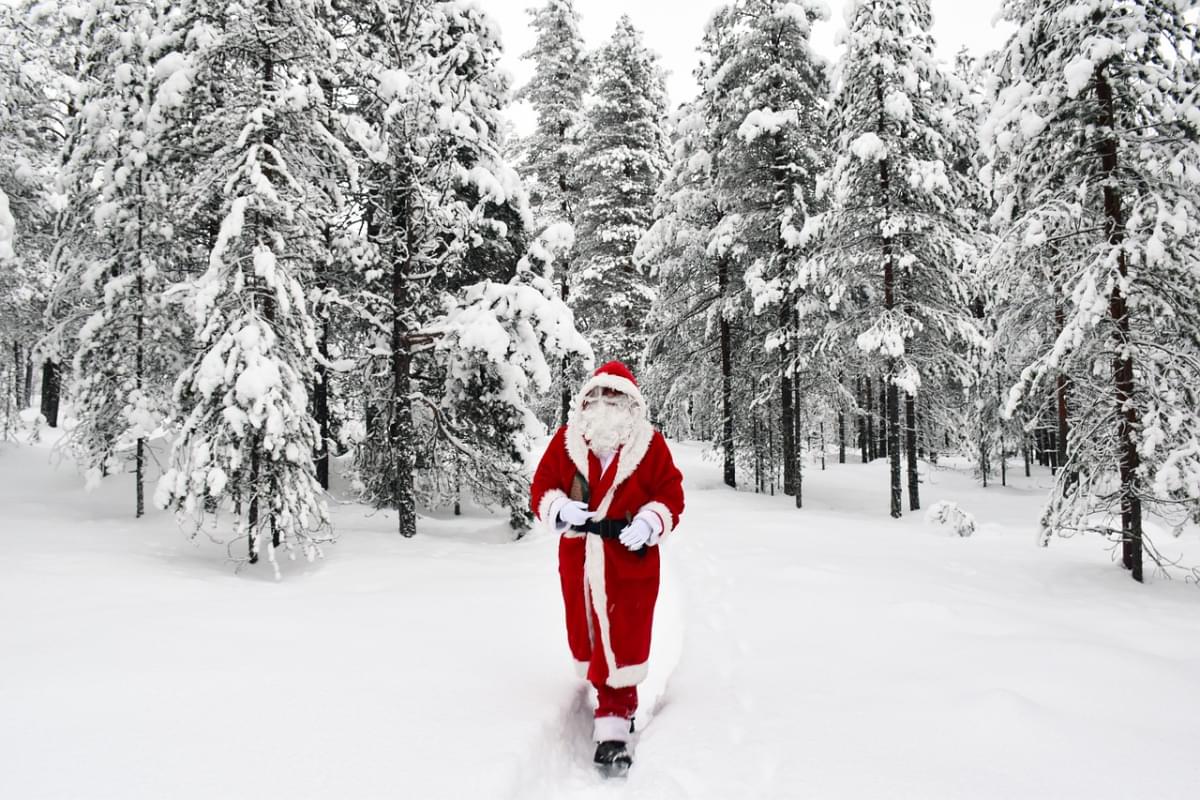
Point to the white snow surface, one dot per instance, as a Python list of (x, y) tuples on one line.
[(824, 653)]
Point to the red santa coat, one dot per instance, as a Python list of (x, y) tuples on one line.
[(609, 592)]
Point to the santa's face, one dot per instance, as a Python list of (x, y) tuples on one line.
[(608, 419)]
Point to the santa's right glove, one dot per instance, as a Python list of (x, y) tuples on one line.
[(573, 513), (639, 534)]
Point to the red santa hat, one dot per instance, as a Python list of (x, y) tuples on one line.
[(614, 375)]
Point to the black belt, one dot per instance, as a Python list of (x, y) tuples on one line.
[(610, 529), (605, 528)]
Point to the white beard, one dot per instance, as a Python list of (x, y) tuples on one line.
[(607, 426)]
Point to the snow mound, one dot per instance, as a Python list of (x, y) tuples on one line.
[(947, 514)]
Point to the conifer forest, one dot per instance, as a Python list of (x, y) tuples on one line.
[(282, 233), (295, 293)]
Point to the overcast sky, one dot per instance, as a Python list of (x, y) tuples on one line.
[(673, 29)]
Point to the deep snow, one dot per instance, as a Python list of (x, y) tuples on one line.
[(823, 653)]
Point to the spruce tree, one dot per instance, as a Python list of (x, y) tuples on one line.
[(775, 91), (893, 242), (445, 217), (256, 113), (1095, 140), (623, 161), (115, 238), (699, 298), (29, 117), (556, 92)]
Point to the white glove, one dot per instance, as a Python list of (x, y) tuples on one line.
[(637, 534), (574, 513)]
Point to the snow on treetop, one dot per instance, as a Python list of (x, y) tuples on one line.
[(869, 147), (801, 13), (765, 121), (898, 106), (1078, 73), (392, 83), (559, 237)]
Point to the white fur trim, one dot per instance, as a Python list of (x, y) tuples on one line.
[(577, 447), (611, 729), (581, 669), (606, 380), (662, 512), (593, 567), (548, 513), (632, 454), (631, 675)]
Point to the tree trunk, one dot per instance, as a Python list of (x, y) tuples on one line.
[(910, 444), (872, 450), (758, 462), (823, 447), (1060, 391), (252, 515), (983, 454), (402, 427), (565, 410), (841, 437), (1123, 369), (18, 372), (772, 470), (798, 456), (321, 402), (139, 376), (726, 381), (892, 439), (51, 381), (884, 432), (27, 398), (893, 443), (564, 414), (787, 414)]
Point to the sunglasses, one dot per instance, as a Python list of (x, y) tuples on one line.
[(603, 394)]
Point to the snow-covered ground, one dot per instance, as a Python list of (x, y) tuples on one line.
[(823, 653)]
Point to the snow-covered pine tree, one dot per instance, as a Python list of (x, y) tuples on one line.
[(775, 92), (1095, 138), (500, 345), (623, 151), (444, 216), (556, 92), (46, 57), (893, 244), (256, 111), (968, 414), (682, 371), (28, 146), (115, 236), (700, 296)]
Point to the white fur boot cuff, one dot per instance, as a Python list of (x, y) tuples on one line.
[(611, 729)]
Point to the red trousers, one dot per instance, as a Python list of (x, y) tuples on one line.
[(616, 702)]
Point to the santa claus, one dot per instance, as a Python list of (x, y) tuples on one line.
[(608, 485)]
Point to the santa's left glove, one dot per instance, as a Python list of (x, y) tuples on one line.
[(574, 513), (638, 534)]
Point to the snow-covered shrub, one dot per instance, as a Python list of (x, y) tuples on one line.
[(947, 514)]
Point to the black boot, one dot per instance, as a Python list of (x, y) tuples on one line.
[(613, 759)]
